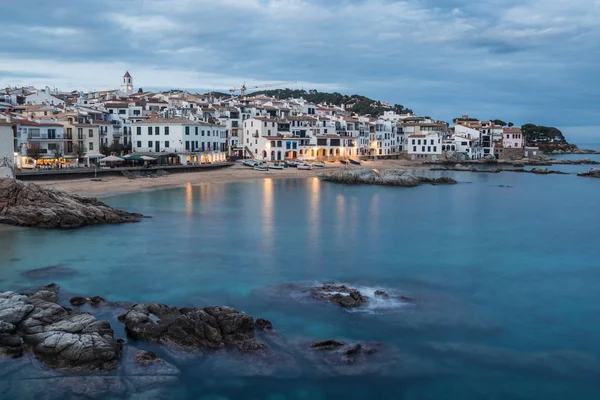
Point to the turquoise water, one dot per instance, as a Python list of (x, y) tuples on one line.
[(504, 269)]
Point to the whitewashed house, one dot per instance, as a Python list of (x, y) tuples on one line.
[(512, 138), (193, 142), (44, 96), (428, 146)]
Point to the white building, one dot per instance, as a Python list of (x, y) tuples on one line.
[(44, 96), (468, 148), (193, 142), (7, 148), (427, 146)]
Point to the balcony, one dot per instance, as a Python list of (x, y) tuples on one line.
[(43, 138)]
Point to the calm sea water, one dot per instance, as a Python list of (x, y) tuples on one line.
[(504, 267)]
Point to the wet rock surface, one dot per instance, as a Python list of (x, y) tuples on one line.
[(58, 337), (341, 295), (192, 328), (593, 173), (51, 271), (27, 204), (263, 324)]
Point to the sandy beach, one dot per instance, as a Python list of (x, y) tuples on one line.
[(118, 185)]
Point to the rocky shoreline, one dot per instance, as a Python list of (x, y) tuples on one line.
[(30, 205), (390, 177), (536, 171)]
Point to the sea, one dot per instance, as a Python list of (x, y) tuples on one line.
[(503, 270)]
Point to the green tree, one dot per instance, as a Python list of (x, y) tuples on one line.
[(79, 150), (510, 124), (34, 152), (140, 90), (499, 122)]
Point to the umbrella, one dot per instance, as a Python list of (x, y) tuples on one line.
[(111, 159), (148, 158), (134, 157)]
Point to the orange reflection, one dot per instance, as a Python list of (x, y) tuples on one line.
[(313, 214), (189, 199), (267, 214)]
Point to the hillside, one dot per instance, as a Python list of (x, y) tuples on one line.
[(360, 104), (539, 133)]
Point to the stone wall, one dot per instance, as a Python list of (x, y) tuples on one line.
[(7, 168), (509, 153)]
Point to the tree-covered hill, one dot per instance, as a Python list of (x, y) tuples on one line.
[(360, 104), (535, 133)]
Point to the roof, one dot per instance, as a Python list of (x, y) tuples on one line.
[(127, 75), (100, 122), (265, 119), (174, 121), (512, 130), (33, 123)]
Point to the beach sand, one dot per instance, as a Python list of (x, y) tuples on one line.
[(117, 184)]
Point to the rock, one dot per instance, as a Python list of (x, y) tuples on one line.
[(49, 272), (327, 344), (192, 328), (407, 299), (593, 173), (340, 295), (96, 301), (382, 294), (352, 349), (146, 358), (58, 337), (388, 177), (263, 324), (78, 301), (27, 204)]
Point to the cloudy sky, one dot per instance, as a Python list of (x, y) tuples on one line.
[(519, 60)]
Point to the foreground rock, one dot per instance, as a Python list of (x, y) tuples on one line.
[(341, 295), (58, 337), (388, 177), (27, 204), (593, 173), (192, 328)]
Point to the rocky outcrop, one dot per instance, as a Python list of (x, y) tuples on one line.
[(192, 328), (592, 173), (388, 177), (27, 204), (263, 324), (146, 358), (58, 337), (341, 295)]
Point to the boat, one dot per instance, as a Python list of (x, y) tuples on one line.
[(344, 162), (318, 164), (260, 167), (249, 163), (276, 166), (354, 161), (293, 163), (305, 166)]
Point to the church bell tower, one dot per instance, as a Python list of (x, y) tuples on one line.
[(127, 83)]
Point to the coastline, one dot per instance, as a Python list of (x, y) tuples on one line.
[(111, 186)]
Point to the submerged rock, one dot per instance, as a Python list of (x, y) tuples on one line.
[(388, 177), (58, 337), (192, 328), (341, 295), (78, 301), (327, 344), (49, 272), (27, 204), (382, 294), (146, 358)]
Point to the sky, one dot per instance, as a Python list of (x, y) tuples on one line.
[(518, 60)]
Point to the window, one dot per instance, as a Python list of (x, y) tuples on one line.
[(187, 145), (428, 149), (79, 133), (139, 130), (157, 130), (202, 133), (187, 130), (463, 143), (122, 111), (423, 149), (413, 141), (196, 131), (431, 141), (419, 141), (111, 111), (69, 133), (139, 143), (149, 130), (69, 147), (203, 146), (149, 143), (434, 149), (166, 142), (136, 112), (91, 146), (167, 129), (90, 133)]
